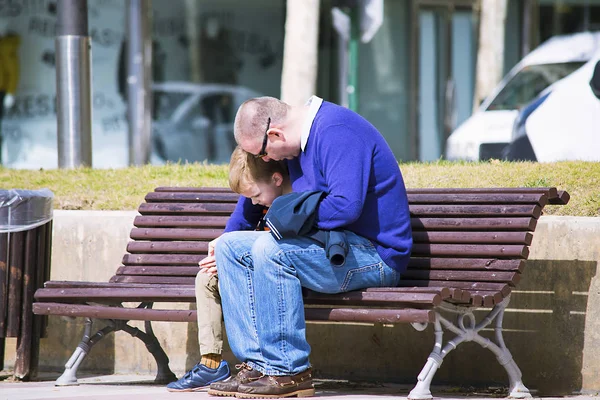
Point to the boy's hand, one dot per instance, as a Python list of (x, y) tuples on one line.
[(208, 265)]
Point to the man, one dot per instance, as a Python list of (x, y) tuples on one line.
[(261, 182), (330, 149)]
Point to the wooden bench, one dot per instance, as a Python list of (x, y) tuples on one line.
[(470, 247)]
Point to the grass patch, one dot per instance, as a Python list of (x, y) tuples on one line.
[(124, 189)]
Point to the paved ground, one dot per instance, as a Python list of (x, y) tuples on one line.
[(132, 387)]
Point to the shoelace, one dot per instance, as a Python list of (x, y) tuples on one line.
[(243, 366)]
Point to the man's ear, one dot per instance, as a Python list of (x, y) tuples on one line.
[(277, 178), (277, 133)]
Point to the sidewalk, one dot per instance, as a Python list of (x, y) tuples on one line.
[(138, 387)]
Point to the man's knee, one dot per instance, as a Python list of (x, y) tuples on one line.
[(265, 247), (224, 244)]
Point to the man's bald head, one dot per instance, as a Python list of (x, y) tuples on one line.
[(252, 116)]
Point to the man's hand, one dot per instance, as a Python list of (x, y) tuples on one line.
[(208, 265)]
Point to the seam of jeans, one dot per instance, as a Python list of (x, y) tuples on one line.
[(355, 271), (251, 292), (282, 322)]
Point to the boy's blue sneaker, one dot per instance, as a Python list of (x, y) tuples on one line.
[(200, 377)]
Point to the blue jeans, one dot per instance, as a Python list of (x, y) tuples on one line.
[(261, 280)]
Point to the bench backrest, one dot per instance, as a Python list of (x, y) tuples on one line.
[(471, 243)]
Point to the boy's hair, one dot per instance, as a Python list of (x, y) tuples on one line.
[(245, 170)]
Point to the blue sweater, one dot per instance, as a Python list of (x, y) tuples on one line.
[(346, 157)]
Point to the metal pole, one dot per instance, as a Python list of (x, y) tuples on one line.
[(73, 85), (353, 59), (526, 35), (139, 96)]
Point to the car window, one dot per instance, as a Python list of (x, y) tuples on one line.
[(165, 103), (528, 83)]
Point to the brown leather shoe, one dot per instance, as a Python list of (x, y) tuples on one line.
[(229, 388), (275, 387)]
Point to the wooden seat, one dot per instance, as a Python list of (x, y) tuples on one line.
[(469, 251)]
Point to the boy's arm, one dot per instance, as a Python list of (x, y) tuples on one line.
[(245, 217), (345, 162)]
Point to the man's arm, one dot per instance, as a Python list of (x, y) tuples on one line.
[(345, 160)]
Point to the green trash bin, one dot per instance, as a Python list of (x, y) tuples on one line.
[(25, 250)]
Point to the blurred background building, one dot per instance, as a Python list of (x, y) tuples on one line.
[(414, 75)]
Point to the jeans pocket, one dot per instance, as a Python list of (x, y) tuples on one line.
[(363, 277)]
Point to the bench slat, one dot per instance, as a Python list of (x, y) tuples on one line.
[(167, 247), (551, 192), (357, 297), (418, 236), (416, 210), (470, 250), (561, 199), (181, 221), (476, 210), (184, 189), (168, 280), (499, 223), (174, 234), (205, 197), (490, 298), (511, 278), (82, 284), (467, 264), (95, 294), (444, 292), (186, 208), (478, 198), (162, 259), (103, 312), (419, 250), (503, 288), (164, 271), (457, 237), (369, 315), (312, 314)]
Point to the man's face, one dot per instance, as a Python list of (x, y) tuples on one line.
[(276, 147), (263, 193)]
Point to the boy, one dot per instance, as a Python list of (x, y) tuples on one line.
[(262, 182)]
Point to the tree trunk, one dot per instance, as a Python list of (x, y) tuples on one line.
[(490, 55), (300, 52)]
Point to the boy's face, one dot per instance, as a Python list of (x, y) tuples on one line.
[(264, 193)]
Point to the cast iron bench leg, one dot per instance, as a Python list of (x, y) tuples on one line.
[(69, 377), (466, 331), (164, 374)]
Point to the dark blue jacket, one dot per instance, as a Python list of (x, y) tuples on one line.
[(295, 214)]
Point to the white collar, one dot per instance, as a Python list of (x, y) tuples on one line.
[(314, 103)]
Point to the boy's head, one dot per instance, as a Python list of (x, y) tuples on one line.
[(260, 181)]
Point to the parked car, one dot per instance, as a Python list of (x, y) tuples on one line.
[(194, 122), (487, 132), (563, 124), (595, 81)]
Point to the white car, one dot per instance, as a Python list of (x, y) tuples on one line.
[(563, 124), (485, 134), (194, 122)]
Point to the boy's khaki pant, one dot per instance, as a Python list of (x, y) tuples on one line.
[(210, 315)]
